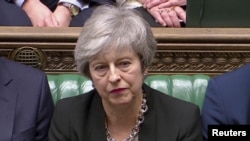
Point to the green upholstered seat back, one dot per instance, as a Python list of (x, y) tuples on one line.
[(186, 87), (190, 88), (66, 85)]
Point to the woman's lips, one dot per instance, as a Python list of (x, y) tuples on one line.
[(117, 91)]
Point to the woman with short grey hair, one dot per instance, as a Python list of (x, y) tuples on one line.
[(115, 49), (115, 28)]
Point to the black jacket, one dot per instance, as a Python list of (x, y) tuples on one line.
[(82, 118)]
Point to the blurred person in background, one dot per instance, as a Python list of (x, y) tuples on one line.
[(74, 13), (26, 104), (227, 100)]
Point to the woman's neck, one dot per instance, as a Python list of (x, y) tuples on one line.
[(121, 119), (123, 114)]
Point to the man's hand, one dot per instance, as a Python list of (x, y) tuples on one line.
[(171, 3), (170, 17), (174, 16), (163, 3), (156, 13), (63, 16), (39, 14), (148, 4)]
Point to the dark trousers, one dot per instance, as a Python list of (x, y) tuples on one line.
[(12, 15)]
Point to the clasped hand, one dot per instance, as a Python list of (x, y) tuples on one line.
[(59, 18), (166, 12)]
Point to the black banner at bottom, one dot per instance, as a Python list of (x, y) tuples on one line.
[(235, 132)]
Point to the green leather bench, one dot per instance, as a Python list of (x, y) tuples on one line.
[(186, 87)]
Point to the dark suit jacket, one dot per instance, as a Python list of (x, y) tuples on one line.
[(12, 15), (82, 118), (26, 105), (227, 99)]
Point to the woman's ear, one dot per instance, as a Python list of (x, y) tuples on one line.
[(145, 71)]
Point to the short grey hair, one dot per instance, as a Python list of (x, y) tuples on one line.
[(117, 28)]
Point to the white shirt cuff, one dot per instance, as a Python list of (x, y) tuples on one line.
[(77, 3), (19, 2)]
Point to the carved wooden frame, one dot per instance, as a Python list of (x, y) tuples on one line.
[(209, 51)]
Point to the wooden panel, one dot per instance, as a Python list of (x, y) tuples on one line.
[(209, 51)]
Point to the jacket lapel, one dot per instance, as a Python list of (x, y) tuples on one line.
[(97, 120)]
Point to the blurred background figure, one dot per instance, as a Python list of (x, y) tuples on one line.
[(74, 13), (227, 100), (26, 103)]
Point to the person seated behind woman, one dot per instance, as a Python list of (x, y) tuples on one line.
[(115, 49), (56, 14), (170, 13)]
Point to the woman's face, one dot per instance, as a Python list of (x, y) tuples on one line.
[(117, 76)]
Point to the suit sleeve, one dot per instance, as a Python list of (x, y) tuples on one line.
[(45, 111), (213, 108), (59, 128)]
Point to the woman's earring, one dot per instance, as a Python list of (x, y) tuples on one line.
[(145, 75)]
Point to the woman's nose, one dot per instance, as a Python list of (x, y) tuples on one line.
[(114, 75)]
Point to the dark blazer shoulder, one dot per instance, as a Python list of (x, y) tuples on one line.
[(170, 118), (11, 70), (13, 67), (229, 84), (79, 102), (234, 75)]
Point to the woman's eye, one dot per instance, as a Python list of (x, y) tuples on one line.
[(124, 64), (100, 70), (99, 67)]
